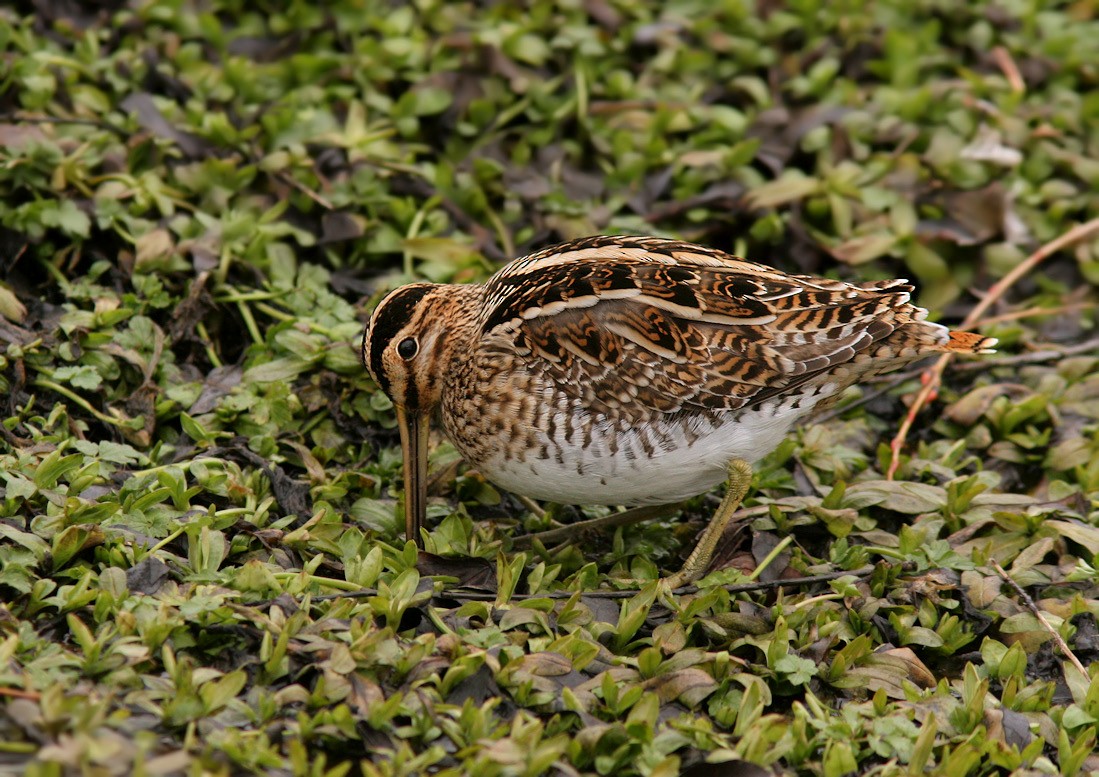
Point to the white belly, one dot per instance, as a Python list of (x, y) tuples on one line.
[(683, 462)]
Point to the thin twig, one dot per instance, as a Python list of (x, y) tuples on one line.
[(735, 588), (1010, 69), (15, 693), (1060, 310), (892, 379), (614, 520), (604, 107), (12, 439), (314, 196), (1030, 605), (98, 124), (776, 551), (531, 505), (934, 375), (491, 596)]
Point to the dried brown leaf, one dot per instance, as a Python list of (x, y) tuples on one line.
[(475, 573), (982, 590), (219, 382), (151, 119), (690, 686)]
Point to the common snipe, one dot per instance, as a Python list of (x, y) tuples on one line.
[(632, 370)]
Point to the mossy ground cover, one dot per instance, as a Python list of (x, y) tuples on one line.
[(203, 569)]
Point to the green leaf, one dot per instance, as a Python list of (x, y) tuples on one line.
[(17, 486), (54, 466), (633, 613), (70, 218), (284, 369), (120, 453), (31, 542), (218, 693), (796, 670), (73, 540), (10, 306), (81, 376), (194, 429), (791, 187)]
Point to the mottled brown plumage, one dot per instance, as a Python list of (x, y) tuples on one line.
[(631, 370)]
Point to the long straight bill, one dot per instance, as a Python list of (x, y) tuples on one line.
[(414, 430)]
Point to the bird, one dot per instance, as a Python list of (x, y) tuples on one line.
[(631, 370)]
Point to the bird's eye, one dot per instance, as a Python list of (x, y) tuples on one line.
[(407, 348)]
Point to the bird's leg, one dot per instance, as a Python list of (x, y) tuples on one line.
[(740, 478)]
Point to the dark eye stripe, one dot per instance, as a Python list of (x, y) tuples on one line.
[(390, 317)]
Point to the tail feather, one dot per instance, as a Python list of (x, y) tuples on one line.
[(969, 342)]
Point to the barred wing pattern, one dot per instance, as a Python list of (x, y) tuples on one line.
[(628, 326)]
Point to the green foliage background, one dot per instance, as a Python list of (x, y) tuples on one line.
[(198, 481)]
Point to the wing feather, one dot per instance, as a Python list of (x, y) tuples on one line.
[(634, 325)]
